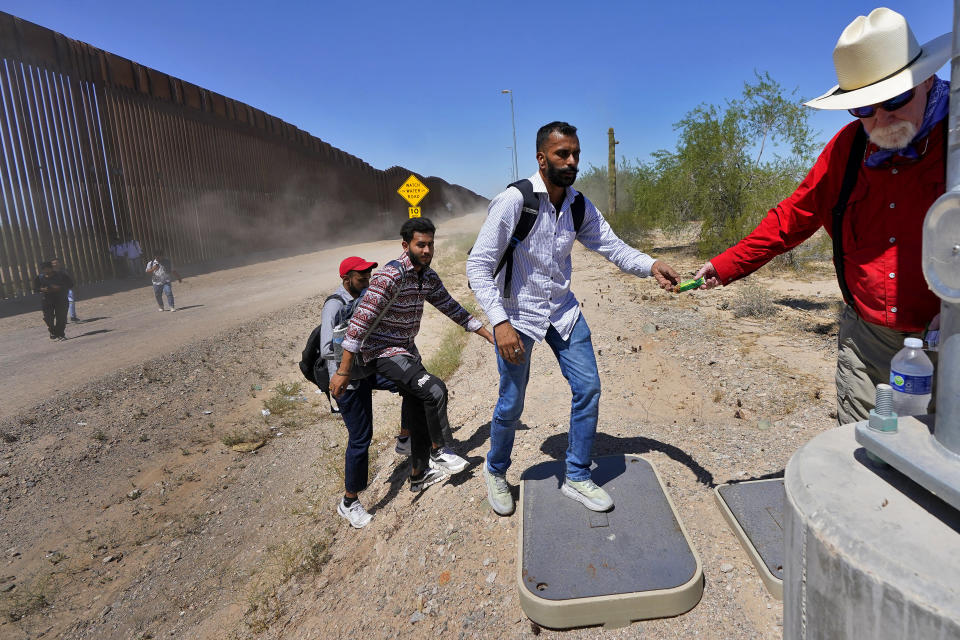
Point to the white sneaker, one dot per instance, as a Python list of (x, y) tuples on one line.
[(587, 493), (172, 309), (403, 446), (161, 309), (355, 514), (447, 460), (498, 492)]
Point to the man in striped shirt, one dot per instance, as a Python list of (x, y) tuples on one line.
[(540, 307), (382, 331)]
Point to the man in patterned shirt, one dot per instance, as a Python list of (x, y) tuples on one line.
[(382, 331), (539, 306)]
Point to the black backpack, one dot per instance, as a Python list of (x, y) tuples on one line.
[(528, 216), (311, 365)]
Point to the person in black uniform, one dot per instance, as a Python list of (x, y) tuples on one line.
[(53, 285)]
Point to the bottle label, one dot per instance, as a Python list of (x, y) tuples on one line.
[(913, 385)]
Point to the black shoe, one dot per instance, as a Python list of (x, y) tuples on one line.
[(427, 478), (53, 337), (61, 338), (74, 319)]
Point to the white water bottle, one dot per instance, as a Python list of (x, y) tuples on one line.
[(911, 376)]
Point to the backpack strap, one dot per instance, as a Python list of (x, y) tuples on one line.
[(383, 312), (528, 216), (578, 209), (854, 160)]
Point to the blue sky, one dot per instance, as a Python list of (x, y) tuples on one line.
[(418, 83)]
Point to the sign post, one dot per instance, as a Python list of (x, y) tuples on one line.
[(413, 191)]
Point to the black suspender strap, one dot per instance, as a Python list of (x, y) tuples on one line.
[(854, 160)]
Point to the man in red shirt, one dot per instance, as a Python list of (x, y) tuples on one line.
[(875, 207)]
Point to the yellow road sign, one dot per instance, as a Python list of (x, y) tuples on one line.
[(414, 212), (412, 190)]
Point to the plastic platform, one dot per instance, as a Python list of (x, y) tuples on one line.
[(754, 510), (581, 568)]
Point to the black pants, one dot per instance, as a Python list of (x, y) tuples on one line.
[(55, 315), (424, 410), (356, 408)]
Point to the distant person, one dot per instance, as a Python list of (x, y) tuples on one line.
[(53, 286), (870, 189), (161, 272), (118, 255), (134, 256), (356, 401), (529, 300), (71, 299), (386, 340)]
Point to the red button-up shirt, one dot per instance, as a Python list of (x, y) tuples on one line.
[(882, 229)]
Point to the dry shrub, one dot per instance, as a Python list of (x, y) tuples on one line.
[(753, 301)]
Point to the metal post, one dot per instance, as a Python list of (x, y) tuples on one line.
[(611, 173), (947, 425), (513, 123)]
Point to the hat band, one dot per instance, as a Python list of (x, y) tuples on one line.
[(887, 77)]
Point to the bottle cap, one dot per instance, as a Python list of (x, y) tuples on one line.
[(913, 343)]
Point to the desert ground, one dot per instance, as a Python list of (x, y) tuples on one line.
[(143, 493)]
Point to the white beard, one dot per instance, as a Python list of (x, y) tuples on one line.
[(894, 136)]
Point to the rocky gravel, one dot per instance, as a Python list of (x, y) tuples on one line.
[(126, 516)]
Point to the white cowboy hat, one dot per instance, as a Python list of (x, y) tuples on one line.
[(877, 57)]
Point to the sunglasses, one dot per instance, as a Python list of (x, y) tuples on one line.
[(894, 103)]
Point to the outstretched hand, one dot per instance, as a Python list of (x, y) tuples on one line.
[(665, 275), (710, 276)]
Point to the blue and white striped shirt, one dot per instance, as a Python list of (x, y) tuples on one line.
[(540, 293)]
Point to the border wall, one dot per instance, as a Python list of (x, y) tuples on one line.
[(95, 148)]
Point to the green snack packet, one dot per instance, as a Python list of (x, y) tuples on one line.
[(687, 285)]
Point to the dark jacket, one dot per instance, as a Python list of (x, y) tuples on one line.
[(58, 279)]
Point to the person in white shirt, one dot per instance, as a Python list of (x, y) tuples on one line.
[(161, 271), (133, 254), (538, 306)]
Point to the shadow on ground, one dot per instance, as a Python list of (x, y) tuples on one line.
[(805, 304), (556, 446), (92, 333)]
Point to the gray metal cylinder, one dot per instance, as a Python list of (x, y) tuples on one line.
[(947, 426)]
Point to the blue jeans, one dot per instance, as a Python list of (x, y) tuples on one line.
[(356, 408), (579, 367), (160, 289)]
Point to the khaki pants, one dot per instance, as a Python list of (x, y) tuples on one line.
[(863, 361)]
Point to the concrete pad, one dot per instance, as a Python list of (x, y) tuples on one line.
[(754, 511), (578, 567), (869, 553)]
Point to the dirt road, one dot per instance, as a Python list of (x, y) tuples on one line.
[(125, 328), (126, 515)]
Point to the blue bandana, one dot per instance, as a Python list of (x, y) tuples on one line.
[(938, 106)]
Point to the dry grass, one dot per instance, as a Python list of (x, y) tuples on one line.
[(449, 354), (753, 301), (283, 563), (239, 436), (26, 600)]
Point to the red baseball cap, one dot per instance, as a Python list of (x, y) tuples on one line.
[(353, 263)]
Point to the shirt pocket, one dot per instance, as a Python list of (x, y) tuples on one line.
[(858, 219), (932, 184), (564, 235)]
